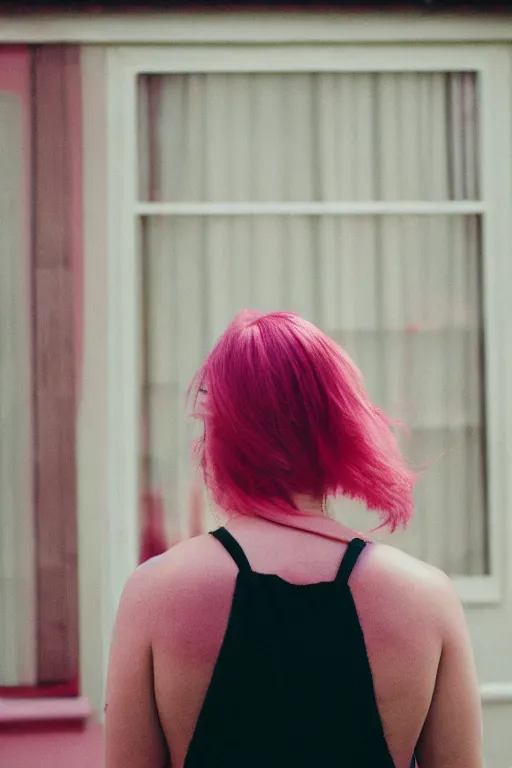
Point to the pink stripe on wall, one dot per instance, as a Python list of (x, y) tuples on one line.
[(15, 70), (15, 78), (15, 65), (57, 284)]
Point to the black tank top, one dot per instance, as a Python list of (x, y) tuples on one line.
[(292, 685)]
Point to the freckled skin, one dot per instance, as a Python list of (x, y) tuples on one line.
[(173, 616)]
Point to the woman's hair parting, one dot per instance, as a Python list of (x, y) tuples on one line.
[(285, 413)]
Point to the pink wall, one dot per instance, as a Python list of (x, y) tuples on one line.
[(46, 79), (56, 273), (15, 78)]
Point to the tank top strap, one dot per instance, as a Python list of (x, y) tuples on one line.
[(349, 560), (233, 548)]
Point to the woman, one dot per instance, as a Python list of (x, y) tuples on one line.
[(286, 639)]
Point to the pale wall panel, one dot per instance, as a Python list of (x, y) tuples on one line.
[(17, 578)]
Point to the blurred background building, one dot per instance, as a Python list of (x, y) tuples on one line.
[(161, 171)]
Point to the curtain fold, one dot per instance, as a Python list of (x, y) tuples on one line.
[(309, 137)]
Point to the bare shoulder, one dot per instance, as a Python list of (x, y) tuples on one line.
[(192, 570), (408, 583), (398, 564), (189, 560)]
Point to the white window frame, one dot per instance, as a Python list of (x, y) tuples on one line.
[(493, 65), (258, 27)]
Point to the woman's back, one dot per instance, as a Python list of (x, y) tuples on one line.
[(406, 610), (215, 667)]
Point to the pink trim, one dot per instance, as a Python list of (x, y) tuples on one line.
[(15, 71)]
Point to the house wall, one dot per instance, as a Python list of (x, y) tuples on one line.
[(496, 687), (99, 37), (41, 530)]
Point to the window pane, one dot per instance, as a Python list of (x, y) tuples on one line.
[(289, 137), (401, 294)]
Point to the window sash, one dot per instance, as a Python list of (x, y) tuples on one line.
[(493, 67)]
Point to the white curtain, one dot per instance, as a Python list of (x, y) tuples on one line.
[(17, 579), (401, 293)]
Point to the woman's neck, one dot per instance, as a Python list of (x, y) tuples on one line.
[(309, 517)]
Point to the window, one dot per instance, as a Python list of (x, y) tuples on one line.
[(360, 187)]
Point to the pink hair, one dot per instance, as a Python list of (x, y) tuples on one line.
[(285, 412)]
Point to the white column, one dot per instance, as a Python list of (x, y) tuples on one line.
[(106, 459)]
